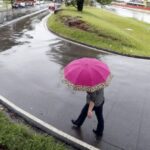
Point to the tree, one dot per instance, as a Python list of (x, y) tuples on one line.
[(76, 3), (80, 5)]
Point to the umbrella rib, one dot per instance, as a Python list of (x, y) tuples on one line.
[(99, 74), (77, 76)]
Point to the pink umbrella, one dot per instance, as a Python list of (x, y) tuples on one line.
[(87, 74)]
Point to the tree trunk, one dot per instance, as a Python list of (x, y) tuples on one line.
[(80, 5)]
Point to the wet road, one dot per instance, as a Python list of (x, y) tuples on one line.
[(31, 61), (11, 14), (136, 14)]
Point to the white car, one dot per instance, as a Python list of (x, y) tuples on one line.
[(54, 6), (37, 2), (22, 4), (41, 2)]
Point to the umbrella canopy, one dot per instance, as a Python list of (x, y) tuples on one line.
[(87, 74)]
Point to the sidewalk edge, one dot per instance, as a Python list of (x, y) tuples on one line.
[(47, 127), (23, 17)]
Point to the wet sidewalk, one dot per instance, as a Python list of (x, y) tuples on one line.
[(30, 76), (10, 14)]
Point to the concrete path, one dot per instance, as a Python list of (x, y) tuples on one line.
[(31, 61)]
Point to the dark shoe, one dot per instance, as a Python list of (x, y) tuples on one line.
[(97, 133), (75, 124)]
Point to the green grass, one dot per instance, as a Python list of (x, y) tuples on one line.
[(20, 137), (113, 32)]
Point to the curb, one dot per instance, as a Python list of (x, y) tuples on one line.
[(23, 17), (47, 127), (106, 51)]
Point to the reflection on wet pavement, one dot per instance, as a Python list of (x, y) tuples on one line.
[(11, 35), (63, 52), (11, 14), (30, 77)]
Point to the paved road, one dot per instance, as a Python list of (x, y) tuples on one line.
[(137, 14), (31, 61), (11, 14)]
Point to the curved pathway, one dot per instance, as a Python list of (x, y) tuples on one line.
[(31, 61)]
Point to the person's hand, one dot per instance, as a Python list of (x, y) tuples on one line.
[(90, 113)]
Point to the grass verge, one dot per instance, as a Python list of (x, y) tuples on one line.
[(14, 136), (102, 29)]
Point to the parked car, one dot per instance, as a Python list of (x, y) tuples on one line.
[(37, 3), (51, 7), (15, 5), (29, 3), (19, 5), (42, 2), (54, 7), (22, 4)]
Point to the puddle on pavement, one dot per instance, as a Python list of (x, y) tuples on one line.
[(15, 34)]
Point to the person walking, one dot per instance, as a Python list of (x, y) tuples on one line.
[(90, 75), (95, 102)]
